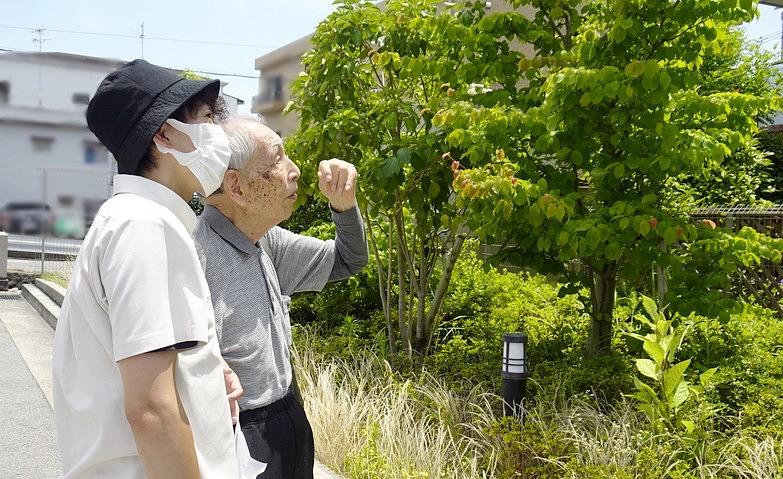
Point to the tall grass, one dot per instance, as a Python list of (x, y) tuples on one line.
[(369, 423)]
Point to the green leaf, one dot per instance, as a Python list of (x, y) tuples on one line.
[(404, 155), (643, 227), (680, 395), (650, 78), (674, 343), (434, 190), (670, 235), (597, 94), (646, 390), (559, 213), (617, 34), (705, 379), (391, 167), (647, 368), (664, 79), (612, 251), (654, 350), (650, 307), (673, 376), (390, 122), (593, 237)]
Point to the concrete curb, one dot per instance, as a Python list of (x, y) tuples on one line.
[(46, 307), (55, 292)]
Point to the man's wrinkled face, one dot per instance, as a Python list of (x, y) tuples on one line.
[(270, 178)]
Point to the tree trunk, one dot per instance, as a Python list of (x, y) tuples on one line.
[(421, 297), (603, 287), (661, 274), (384, 284), (443, 287), (401, 306)]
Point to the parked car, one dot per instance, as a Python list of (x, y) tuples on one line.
[(27, 218), (68, 223)]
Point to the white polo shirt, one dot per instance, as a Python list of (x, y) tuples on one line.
[(137, 286)]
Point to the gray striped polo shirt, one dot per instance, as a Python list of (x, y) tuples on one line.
[(251, 288)]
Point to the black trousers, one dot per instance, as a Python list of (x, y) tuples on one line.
[(280, 435)]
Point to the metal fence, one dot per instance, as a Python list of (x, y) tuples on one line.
[(46, 226)]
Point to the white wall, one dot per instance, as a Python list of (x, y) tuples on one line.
[(21, 167), (51, 82), (41, 105)]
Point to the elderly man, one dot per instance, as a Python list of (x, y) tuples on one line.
[(252, 267)]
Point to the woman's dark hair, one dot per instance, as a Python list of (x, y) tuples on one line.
[(183, 114)]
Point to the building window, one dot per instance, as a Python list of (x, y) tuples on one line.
[(81, 98), (66, 201), (42, 143), (94, 153), (5, 92), (274, 89)]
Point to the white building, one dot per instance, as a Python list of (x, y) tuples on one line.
[(43, 131), (47, 153)]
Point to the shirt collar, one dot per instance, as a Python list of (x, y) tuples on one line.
[(227, 230), (152, 190)]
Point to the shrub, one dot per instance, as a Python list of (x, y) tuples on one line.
[(485, 303)]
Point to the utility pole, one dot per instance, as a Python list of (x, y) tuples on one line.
[(40, 41), (142, 40)]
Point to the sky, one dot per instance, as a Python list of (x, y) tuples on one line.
[(255, 27), (264, 24)]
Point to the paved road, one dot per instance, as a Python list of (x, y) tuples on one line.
[(27, 444)]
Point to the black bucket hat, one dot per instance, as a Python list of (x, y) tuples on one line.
[(133, 102)]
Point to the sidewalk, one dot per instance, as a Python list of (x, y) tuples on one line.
[(27, 444)]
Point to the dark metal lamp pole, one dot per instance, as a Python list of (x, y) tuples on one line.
[(515, 373)]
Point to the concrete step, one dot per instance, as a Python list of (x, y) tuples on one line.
[(55, 292), (46, 307)]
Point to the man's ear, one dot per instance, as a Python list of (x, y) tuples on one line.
[(232, 186)]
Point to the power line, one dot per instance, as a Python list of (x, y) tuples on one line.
[(239, 75), (205, 72), (146, 37)]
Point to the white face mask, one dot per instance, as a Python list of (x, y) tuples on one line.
[(209, 161)]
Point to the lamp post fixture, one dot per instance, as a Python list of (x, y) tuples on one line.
[(515, 372)]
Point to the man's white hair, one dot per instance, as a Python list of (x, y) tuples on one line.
[(242, 139)]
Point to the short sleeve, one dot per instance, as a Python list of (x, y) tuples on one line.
[(154, 287)]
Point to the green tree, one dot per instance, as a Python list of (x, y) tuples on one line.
[(571, 151), (746, 176), (371, 86)]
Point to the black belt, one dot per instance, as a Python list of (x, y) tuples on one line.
[(263, 413)]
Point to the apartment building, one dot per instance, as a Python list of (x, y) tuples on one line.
[(47, 154)]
